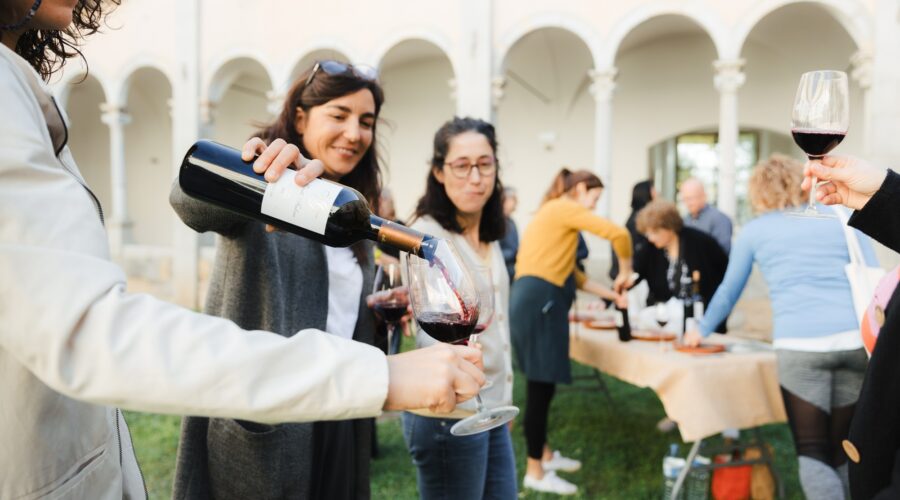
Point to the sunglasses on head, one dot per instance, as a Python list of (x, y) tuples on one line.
[(333, 68)]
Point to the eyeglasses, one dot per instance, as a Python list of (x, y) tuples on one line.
[(333, 68), (461, 168)]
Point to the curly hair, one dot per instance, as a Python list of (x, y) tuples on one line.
[(775, 184), (659, 214), (48, 50)]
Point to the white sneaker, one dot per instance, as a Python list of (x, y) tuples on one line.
[(559, 462), (551, 483)]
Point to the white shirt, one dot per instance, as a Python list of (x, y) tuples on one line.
[(345, 282)]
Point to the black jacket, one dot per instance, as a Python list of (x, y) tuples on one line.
[(699, 250), (875, 430)]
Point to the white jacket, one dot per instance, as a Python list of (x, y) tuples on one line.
[(74, 344)]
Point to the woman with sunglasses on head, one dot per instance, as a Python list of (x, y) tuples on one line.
[(74, 342), (463, 203), (329, 115), (545, 285)]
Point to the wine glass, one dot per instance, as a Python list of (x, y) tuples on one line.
[(661, 315), (819, 121), (484, 419), (390, 299), (443, 295)]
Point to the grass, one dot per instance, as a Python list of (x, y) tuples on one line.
[(618, 444)]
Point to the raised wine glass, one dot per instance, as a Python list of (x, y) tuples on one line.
[(390, 299), (485, 418), (819, 122)]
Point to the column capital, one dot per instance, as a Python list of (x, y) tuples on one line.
[(862, 65), (498, 86), (112, 114), (274, 102), (452, 85), (207, 112), (729, 74), (603, 83)]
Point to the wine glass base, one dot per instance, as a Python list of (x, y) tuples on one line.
[(484, 421), (810, 214)]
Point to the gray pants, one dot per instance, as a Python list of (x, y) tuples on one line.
[(825, 379)]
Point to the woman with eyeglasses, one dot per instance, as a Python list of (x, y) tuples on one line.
[(545, 285), (463, 203), (279, 282)]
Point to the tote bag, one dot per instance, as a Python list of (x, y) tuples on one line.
[(862, 277)]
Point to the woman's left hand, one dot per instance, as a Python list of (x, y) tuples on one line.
[(275, 158)]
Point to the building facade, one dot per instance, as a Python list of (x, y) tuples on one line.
[(631, 89)]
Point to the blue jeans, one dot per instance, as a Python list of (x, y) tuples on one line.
[(453, 467)]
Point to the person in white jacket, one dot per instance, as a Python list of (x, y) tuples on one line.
[(74, 344)]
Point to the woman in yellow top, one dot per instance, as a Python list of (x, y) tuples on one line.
[(546, 280)]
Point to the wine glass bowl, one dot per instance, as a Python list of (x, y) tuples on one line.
[(443, 295), (390, 300), (820, 120)]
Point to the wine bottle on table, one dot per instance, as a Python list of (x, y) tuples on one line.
[(622, 324), (324, 211), (696, 297), (684, 295)]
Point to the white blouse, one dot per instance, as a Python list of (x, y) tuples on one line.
[(345, 282)]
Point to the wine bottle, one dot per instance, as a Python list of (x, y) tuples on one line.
[(696, 296), (327, 212), (684, 295), (623, 325)]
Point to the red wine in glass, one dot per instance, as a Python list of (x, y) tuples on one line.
[(446, 328), (817, 143), (391, 312)]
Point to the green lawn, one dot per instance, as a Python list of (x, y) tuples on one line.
[(619, 446)]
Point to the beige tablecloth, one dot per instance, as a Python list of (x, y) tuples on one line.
[(705, 394)]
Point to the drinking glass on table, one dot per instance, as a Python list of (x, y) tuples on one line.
[(661, 315), (484, 419), (819, 122)]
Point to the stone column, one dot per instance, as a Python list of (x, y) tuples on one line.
[(118, 224), (602, 87), (728, 79)]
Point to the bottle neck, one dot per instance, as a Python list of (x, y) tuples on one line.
[(402, 237)]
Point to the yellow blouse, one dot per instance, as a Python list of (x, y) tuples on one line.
[(547, 248)]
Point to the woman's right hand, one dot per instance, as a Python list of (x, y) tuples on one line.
[(851, 181), (277, 157), (435, 377)]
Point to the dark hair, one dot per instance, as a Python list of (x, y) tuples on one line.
[(366, 176), (565, 180), (641, 194), (48, 50), (437, 204)]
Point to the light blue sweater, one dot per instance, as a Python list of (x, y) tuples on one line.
[(802, 261)]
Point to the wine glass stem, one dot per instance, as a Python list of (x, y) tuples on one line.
[(473, 339), (812, 194), (390, 337)]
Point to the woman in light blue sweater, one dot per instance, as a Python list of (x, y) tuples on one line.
[(821, 360)]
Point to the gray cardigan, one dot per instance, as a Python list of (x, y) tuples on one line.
[(276, 282)]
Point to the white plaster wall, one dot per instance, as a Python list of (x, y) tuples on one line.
[(89, 138), (148, 154), (555, 65), (417, 103)]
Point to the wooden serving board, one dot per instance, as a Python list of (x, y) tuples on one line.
[(700, 349), (652, 335)]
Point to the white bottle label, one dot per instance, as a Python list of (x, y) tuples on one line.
[(307, 207)]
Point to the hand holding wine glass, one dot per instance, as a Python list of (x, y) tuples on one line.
[(820, 119), (850, 181)]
